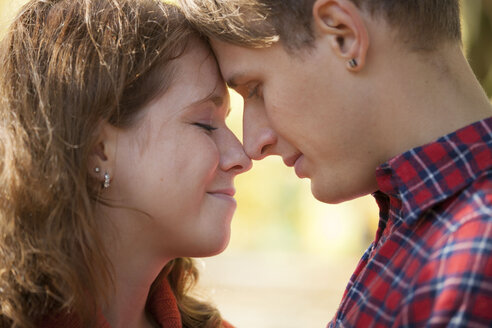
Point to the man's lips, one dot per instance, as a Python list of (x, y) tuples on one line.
[(298, 167), (291, 160)]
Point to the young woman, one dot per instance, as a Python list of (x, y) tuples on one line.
[(116, 166)]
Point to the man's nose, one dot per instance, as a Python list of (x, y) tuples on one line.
[(259, 144), (258, 137)]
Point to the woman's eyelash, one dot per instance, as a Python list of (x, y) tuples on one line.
[(207, 127)]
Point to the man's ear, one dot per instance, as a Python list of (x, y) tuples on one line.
[(101, 157), (340, 22)]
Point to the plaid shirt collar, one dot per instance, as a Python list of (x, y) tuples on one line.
[(426, 175)]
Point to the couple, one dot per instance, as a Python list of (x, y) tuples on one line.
[(117, 165)]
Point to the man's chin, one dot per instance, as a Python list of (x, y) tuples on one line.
[(330, 194)]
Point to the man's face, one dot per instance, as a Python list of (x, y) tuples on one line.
[(305, 108)]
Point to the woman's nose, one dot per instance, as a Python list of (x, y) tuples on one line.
[(234, 158)]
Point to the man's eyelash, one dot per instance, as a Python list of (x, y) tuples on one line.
[(253, 92), (207, 127)]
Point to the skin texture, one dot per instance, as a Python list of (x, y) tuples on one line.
[(172, 183), (336, 123)]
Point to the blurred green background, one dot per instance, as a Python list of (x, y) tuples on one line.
[(290, 256)]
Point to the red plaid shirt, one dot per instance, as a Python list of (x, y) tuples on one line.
[(431, 262)]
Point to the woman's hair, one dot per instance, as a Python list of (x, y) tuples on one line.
[(66, 66)]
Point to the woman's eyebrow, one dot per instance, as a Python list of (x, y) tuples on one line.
[(217, 100), (214, 98)]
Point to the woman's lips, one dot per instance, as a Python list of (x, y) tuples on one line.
[(225, 194)]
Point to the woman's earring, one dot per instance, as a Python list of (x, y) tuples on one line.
[(97, 170), (107, 180), (352, 63)]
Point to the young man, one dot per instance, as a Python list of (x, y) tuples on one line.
[(374, 96)]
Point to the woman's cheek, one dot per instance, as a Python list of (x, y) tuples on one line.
[(211, 157)]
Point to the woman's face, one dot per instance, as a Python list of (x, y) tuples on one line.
[(178, 163)]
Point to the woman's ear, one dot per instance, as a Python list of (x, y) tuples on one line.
[(341, 23), (101, 157)]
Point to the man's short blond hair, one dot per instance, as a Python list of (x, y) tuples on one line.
[(421, 24)]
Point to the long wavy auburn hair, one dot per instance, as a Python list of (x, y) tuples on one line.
[(65, 67)]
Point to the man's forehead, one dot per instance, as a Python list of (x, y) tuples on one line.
[(236, 63), (230, 53)]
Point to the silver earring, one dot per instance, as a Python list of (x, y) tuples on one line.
[(107, 180), (97, 169), (353, 63)]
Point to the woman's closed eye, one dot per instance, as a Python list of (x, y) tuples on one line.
[(207, 127)]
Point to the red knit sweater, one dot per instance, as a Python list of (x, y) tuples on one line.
[(162, 306)]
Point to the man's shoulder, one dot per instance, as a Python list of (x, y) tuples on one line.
[(473, 202), (464, 216), (455, 274)]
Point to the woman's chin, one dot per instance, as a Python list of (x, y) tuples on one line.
[(216, 246)]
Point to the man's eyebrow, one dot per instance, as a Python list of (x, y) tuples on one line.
[(231, 84), (233, 81)]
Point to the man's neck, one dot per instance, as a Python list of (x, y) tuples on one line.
[(428, 96)]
